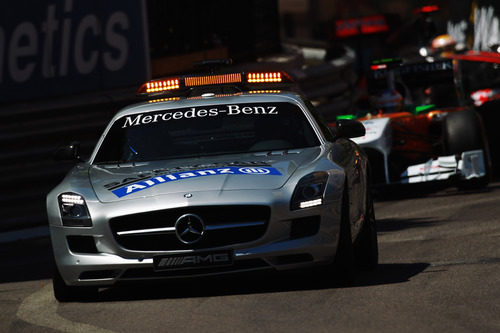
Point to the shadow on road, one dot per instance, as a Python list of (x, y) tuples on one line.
[(257, 283), (393, 224), (390, 274), (431, 189), (32, 260), (26, 260)]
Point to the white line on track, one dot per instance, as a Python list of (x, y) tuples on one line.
[(40, 308)]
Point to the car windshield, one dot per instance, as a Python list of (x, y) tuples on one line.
[(206, 130)]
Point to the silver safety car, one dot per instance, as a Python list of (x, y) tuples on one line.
[(206, 183)]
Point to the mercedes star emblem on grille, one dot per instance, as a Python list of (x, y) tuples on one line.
[(189, 228)]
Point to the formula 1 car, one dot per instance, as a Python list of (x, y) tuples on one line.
[(212, 175), (420, 129)]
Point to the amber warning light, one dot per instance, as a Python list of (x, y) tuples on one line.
[(195, 81), (159, 86), (268, 77)]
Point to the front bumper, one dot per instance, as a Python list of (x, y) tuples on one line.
[(105, 269), (105, 262)]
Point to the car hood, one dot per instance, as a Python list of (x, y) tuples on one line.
[(256, 171)]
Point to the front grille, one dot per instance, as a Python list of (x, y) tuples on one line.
[(224, 225)]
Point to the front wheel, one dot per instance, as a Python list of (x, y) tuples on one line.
[(366, 244), (344, 267), (65, 293), (463, 132)]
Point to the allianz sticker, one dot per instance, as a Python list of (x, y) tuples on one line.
[(165, 178)]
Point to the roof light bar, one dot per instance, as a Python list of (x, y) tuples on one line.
[(164, 85)]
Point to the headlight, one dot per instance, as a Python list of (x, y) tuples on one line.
[(74, 210), (309, 191)]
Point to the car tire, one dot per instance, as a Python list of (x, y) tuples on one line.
[(366, 244), (344, 267), (65, 293), (463, 132)]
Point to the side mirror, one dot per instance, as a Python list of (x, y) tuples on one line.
[(70, 152), (348, 128)]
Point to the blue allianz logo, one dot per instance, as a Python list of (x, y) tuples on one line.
[(254, 171), (166, 178)]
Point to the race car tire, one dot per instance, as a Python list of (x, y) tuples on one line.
[(344, 266), (463, 132), (366, 244), (65, 293)]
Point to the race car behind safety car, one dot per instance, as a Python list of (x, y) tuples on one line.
[(420, 129)]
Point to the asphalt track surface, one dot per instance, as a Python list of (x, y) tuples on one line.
[(439, 272)]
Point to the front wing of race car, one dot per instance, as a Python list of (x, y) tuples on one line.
[(378, 142), (468, 165)]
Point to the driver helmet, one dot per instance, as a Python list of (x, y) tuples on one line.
[(443, 43)]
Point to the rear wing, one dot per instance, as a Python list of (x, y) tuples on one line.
[(476, 56), (412, 74), (367, 25)]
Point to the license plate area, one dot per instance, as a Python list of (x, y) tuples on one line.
[(193, 260)]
